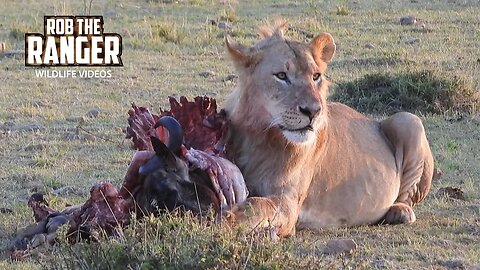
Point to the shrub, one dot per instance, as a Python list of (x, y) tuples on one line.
[(229, 15), (168, 31), (18, 32), (414, 91), (343, 10)]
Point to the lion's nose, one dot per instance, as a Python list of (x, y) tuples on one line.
[(310, 111)]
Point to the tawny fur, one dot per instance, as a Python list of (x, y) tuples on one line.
[(343, 169)]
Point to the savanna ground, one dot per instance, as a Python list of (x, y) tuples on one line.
[(166, 46)]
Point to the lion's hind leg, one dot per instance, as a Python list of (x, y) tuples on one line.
[(414, 162)]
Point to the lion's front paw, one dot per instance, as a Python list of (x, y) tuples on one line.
[(234, 216), (400, 213), (252, 213)]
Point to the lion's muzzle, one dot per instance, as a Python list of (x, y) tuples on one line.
[(310, 111)]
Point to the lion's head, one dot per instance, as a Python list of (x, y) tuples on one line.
[(282, 88)]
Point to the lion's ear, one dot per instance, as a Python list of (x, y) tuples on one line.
[(240, 54), (323, 47)]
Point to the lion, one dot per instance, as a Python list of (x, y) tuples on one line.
[(309, 163)]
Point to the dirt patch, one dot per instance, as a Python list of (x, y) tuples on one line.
[(452, 193)]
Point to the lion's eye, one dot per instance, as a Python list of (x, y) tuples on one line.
[(281, 76), (316, 76)]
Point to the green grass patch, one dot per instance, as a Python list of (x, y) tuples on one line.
[(172, 241), (168, 31), (414, 91), (18, 32), (229, 15), (343, 10)]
